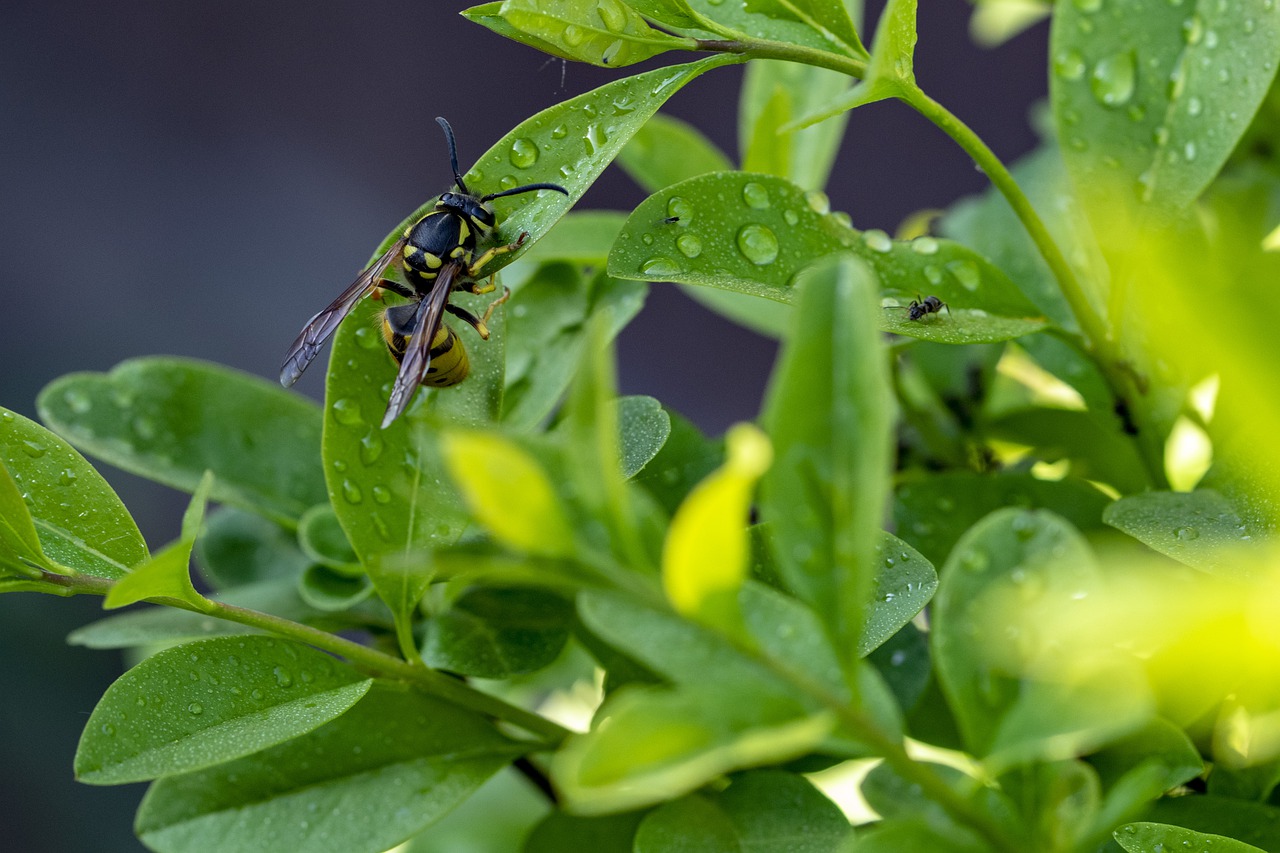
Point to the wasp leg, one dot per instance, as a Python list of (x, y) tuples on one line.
[(395, 287), (478, 288), (479, 323), (473, 271)]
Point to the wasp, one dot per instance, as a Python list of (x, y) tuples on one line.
[(438, 256), (918, 308)]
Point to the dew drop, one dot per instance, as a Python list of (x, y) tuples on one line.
[(791, 217), (1113, 79), (78, 401), (755, 195), (283, 677), (367, 337), (1194, 106), (924, 246), (612, 15), (965, 272), (1069, 64), (877, 240), (817, 201), (67, 477), (1186, 534), (1189, 151), (339, 465), (352, 492), (33, 449), (371, 447), (195, 709), (573, 35), (559, 132), (108, 729), (381, 494), (508, 182), (659, 265), (1192, 30), (689, 245), (595, 138), (1177, 83), (145, 428), (1211, 39), (346, 411), (647, 239), (256, 695), (524, 153), (757, 244), (679, 208)]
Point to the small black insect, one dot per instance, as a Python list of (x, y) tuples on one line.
[(929, 305)]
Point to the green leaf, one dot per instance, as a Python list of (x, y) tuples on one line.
[(644, 427), (327, 590), (904, 584), (589, 432), (830, 17), (581, 237), (170, 420), (20, 552), (489, 15), (753, 233), (168, 573), (760, 810), (659, 743), (321, 540), (240, 548), (780, 21), (1136, 770), (673, 13), (370, 779), (1149, 99), (829, 414), (601, 834), (401, 581), (904, 664), (773, 95), (548, 325), (1156, 838), (900, 801), (1012, 564), (496, 632), (891, 70), (667, 150), (609, 34), (203, 703), (1201, 529), (779, 626), (933, 513), (1251, 823), (79, 521), (909, 836)]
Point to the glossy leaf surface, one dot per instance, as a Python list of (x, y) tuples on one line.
[(170, 420), (203, 703), (92, 533)]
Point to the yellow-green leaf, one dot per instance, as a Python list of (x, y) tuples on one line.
[(707, 551), (508, 492)]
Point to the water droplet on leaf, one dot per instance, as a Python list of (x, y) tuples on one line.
[(757, 244)]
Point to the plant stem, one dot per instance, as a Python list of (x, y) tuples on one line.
[(370, 660), (765, 49), (1099, 344)]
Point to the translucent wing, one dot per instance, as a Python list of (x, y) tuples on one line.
[(322, 325), (426, 322)]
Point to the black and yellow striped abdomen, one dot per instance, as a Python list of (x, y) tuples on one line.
[(449, 363)]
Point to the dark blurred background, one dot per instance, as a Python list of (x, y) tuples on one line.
[(198, 179)]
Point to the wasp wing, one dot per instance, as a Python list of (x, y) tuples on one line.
[(318, 329), (417, 358)]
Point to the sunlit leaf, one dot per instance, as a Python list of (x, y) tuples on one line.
[(1156, 837), (609, 33)]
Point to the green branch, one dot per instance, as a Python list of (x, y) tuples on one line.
[(368, 660)]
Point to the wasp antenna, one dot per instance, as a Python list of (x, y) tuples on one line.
[(453, 153), (527, 188)]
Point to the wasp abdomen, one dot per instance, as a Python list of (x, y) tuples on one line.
[(449, 364)]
